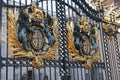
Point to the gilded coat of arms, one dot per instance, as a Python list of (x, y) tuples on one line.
[(32, 34), (109, 29), (83, 43)]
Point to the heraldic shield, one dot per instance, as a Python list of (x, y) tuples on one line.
[(83, 43), (32, 34)]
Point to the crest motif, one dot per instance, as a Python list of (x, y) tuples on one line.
[(32, 34), (83, 42), (109, 29)]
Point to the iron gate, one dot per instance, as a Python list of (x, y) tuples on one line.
[(61, 68)]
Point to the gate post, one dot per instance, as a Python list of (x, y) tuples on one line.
[(64, 69)]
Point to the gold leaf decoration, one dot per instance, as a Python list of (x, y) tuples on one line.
[(16, 47), (74, 54), (72, 50), (106, 28)]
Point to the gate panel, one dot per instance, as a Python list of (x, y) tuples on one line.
[(62, 67)]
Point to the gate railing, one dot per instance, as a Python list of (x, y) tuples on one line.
[(63, 68)]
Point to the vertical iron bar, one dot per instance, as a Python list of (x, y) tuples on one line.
[(0, 35), (7, 47), (27, 62), (47, 6), (77, 72), (20, 68), (52, 7), (26, 3), (85, 74), (68, 10), (72, 6), (105, 50), (62, 39), (14, 57), (33, 76), (44, 68), (116, 44), (19, 59), (20, 4), (81, 74), (39, 74), (13, 5), (14, 69), (55, 72), (73, 71), (42, 5), (76, 10), (31, 1), (50, 70)]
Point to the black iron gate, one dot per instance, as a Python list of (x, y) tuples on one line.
[(62, 68)]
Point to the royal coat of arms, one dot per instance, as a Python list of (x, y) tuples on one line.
[(32, 34), (109, 29), (83, 43)]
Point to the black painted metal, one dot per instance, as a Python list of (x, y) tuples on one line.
[(0, 22), (63, 67), (0, 33)]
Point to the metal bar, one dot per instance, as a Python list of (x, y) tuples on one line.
[(42, 5), (72, 6), (20, 4), (77, 72), (86, 77), (68, 10), (7, 48), (39, 74), (26, 3), (50, 72), (47, 6), (13, 5), (81, 74), (52, 7), (14, 58), (20, 69), (33, 75), (0, 28), (55, 73), (0, 35), (44, 69), (27, 68), (73, 71), (13, 71), (31, 1)]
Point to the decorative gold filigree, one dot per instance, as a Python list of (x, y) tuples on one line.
[(109, 30), (85, 27), (17, 49), (74, 54), (72, 50)]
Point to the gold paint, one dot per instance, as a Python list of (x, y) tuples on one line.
[(106, 27), (84, 25), (74, 55), (17, 50)]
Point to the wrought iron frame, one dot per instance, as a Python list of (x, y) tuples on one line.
[(64, 63)]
